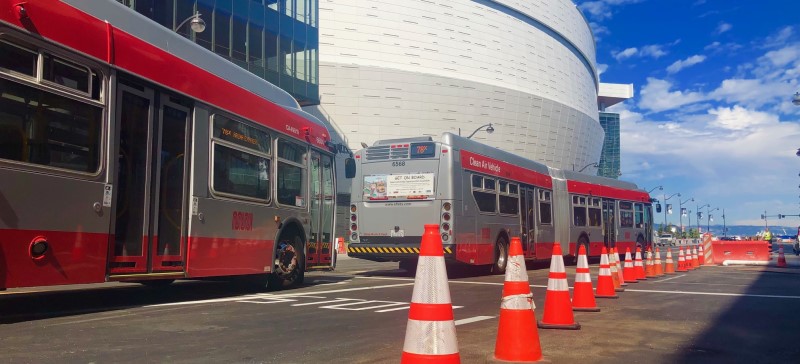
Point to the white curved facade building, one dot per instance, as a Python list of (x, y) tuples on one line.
[(395, 69)]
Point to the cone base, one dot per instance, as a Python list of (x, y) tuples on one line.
[(411, 358), (623, 284), (605, 296), (574, 326), (493, 359), (619, 289), (586, 309), (642, 279), (517, 337)]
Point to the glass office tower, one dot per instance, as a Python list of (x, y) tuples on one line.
[(609, 165), (278, 40)]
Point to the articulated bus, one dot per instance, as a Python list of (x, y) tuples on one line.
[(480, 197), (129, 153)]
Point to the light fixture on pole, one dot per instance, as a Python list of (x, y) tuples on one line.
[(681, 210), (700, 216), (489, 129), (708, 218), (796, 98), (666, 206), (594, 164), (660, 188), (197, 24)]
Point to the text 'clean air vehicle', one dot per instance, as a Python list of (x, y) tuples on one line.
[(480, 197)]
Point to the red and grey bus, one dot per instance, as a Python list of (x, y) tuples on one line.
[(480, 197), (129, 153)]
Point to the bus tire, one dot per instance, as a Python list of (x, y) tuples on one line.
[(289, 264), (583, 240), (500, 256)]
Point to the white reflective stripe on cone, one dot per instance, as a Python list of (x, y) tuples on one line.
[(628, 264), (431, 337), (515, 269), (583, 278), (605, 271), (582, 262), (557, 264), (430, 283), (518, 302), (559, 284)]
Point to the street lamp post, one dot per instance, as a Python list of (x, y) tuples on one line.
[(489, 129), (680, 212), (197, 24), (594, 164), (660, 188), (700, 217), (689, 215), (708, 218), (665, 206), (724, 227)]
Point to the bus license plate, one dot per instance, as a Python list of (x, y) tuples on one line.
[(397, 234)]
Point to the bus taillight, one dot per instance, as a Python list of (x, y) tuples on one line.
[(353, 208), (445, 216), (446, 206), (353, 217), (353, 227)]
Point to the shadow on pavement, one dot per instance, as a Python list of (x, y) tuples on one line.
[(760, 327), (31, 306)]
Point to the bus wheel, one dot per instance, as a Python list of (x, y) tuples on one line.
[(640, 242), (289, 264), (410, 266), (501, 256), (581, 241)]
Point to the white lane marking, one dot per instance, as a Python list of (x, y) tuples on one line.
[(266, 295), (381, 304), (664, 280), (473, 319), (395, 309), (714, 294), (331, 301)]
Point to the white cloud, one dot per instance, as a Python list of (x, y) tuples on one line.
[(656, 96), (723, 27), (739, 118), (688, 62), (653, 50), (602, 9), (601, 68), (751, 92), (627, 53)]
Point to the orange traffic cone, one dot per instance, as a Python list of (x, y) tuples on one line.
[(557, 310), (650, 271), (681, 261), (618, 265), (583, 292), (659, 270), (628, 271), (605, 278), (695, 259), (431, 331), (517, 335), (670, 268), (637, 265), (701, 255), (781, 258), (616, 275)]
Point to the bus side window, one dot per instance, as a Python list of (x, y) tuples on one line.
[(545, 208)]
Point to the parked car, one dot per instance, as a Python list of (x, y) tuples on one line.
[(666, 240)]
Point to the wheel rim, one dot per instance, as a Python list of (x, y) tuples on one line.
[(501, 256)]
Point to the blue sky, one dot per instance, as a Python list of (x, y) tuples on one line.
[(712, 116)]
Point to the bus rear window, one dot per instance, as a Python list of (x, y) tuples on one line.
[(407, 186)]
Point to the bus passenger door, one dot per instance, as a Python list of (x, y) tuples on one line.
[(322, 204), (151, 168), (528, 221), (609, 224)]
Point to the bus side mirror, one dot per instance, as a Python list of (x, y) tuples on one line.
[(349, 168), (658, 207)]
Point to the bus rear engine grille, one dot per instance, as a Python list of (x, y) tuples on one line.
[(388, 152)]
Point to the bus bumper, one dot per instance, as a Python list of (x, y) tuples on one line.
[(392, 252)]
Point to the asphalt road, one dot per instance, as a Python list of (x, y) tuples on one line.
[(359, 315)]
